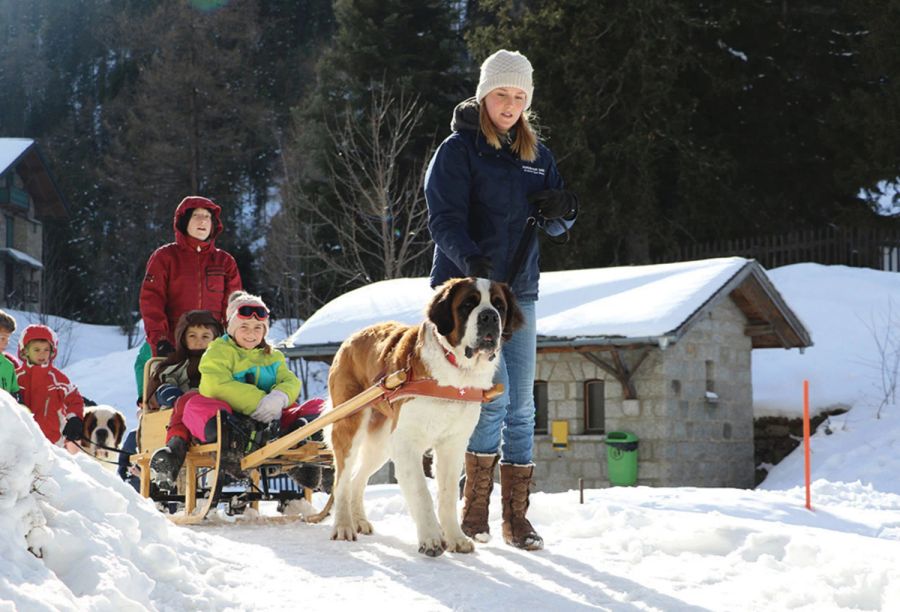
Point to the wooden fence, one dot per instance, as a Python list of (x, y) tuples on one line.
[(856, 247)]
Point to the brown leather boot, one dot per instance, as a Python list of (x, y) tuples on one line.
[(515, 482), (477, 495)]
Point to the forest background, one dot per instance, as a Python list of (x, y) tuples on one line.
[(311, 123)]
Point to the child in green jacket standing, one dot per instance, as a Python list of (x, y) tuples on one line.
[(8, 380), (8, 363)]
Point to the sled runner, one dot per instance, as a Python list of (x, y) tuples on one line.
[(207, 467)]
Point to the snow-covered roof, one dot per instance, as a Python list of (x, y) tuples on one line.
[(603, 305), (24, 155), (22, 258), (12, 149)]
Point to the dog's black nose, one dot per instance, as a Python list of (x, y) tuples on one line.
[(101, 436), (488, 317)]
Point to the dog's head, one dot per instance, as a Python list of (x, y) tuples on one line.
[(474, 314), (105, 426)]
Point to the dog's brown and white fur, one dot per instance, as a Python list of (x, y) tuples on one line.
[(467, 319), (103, 425)]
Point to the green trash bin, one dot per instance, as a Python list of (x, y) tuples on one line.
[(621, 458)]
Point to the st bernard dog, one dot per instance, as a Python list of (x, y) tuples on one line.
[(104, 426), (457, 346)]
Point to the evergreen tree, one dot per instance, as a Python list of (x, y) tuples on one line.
[(57, 78), (685, 122), (619, 89)]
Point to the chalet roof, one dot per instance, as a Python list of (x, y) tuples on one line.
[(622, 306), (23, 156)]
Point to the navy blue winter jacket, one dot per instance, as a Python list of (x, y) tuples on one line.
[(478, 204)]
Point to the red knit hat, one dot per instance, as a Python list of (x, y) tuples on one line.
[(38, 332)]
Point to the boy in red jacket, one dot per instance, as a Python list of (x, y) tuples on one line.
[(56, 404)]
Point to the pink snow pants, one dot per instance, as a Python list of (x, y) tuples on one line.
[(198, 410)]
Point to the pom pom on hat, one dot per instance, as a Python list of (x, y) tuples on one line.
[(235, 301), (505, 69)]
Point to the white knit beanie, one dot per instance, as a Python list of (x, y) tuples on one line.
[(235, 301), (505, 69)]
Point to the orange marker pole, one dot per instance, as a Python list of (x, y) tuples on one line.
[(806, 441)]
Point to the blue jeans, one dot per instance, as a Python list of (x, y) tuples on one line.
[(507, 422)]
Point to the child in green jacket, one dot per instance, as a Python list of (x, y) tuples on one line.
[(8, 380), (8, 363), (241, 373)]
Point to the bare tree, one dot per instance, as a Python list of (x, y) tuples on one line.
[(371, 224), (887, 342)]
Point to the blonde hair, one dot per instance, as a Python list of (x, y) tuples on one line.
[(525, 146)]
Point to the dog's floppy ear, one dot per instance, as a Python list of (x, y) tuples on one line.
[(88, 424), (440, 310), (120, 428), (513, 318)]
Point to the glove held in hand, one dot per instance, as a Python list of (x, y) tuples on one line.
[(164, 348), (74, 429), (555, 203), (479, 266), (270, 406)]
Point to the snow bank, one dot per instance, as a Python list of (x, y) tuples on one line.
[(845, 309), (73, 536), (854, 447)]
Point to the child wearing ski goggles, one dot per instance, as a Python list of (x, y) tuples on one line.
[(253, 311)]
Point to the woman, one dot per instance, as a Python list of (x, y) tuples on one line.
[(188, 274), (487, 185)]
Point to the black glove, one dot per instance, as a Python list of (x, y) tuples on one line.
[(164, 348), (479, 266), (73, 430), (555, 203)]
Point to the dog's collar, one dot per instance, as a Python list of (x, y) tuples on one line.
[(448, 354), (451, 358)]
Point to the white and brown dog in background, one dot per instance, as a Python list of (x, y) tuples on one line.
[(103, 426), (457, 346)]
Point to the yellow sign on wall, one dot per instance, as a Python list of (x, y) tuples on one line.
[(559, 433)]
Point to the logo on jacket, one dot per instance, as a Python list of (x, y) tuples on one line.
[(534, 170)]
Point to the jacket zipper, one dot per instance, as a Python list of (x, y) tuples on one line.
[(199, 281)]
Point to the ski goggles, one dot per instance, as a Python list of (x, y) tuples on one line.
[(253, 312)]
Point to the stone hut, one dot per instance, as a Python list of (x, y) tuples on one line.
[(661, 352)]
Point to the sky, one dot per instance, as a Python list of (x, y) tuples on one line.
[(96, 545)]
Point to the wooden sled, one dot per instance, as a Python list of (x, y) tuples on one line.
[(277, 456)]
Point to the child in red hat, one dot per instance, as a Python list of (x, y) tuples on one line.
[(54, 401)]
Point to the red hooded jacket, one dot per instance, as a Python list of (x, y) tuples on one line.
[(46, 391), (187, 274)]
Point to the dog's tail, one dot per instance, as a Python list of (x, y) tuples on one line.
[(319, 516)]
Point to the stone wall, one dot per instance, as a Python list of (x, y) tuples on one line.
[(685, 437), (585, 457), (710, 443), (776, 437)]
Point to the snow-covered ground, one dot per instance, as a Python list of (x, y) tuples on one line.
[(101, 547)]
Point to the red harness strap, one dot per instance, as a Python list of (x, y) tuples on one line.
[(428, 387)]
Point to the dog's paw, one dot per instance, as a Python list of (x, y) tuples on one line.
[(364, 527), (343, 532), (432, 547), (461, 545)]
